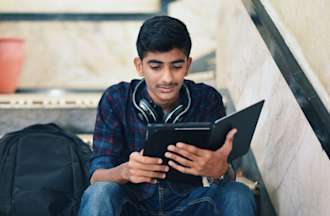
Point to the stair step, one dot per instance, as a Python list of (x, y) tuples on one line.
[(47, 101), (77, 6)]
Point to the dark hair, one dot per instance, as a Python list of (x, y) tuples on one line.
[(161, 34)]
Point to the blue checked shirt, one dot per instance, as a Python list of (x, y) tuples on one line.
[(119, 132)]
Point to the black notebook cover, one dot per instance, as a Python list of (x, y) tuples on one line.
[(204, 135)]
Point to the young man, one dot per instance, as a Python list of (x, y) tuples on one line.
[(124, 181)]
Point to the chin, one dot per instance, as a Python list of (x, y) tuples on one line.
[(167, 98)]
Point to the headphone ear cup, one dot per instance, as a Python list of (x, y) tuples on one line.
[(171, 116), (143, 118), (149, 113)]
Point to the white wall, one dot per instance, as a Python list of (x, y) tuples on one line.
[(305, 26), (292, 162), (75, 54), (96, 54)]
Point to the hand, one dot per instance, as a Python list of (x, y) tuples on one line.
[(189, 159), (141, 168)]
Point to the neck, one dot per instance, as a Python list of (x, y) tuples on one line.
[(166, 106)]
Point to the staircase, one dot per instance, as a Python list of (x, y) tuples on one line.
[(67, 87)]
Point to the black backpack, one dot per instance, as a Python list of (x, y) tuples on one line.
[(43, 171)]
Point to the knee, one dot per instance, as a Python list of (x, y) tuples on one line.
[(238, 194), (101, 198), (238, 191), (102, 191)]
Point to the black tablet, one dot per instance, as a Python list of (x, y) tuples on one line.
[(245, 121), (208, 135), (159, 136)]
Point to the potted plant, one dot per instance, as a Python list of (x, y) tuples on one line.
[(11, 60)]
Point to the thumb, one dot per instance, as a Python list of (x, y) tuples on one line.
[(228, 145)]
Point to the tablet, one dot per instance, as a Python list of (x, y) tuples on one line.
[(208, 135), (159, 136), (245, 121)]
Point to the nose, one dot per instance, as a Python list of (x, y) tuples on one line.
[(167, 75)]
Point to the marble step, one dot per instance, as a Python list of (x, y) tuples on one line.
[(71, 98), (77, 120), (73, 110), (76, 6)]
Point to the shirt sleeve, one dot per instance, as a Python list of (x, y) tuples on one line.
[(108, 135)]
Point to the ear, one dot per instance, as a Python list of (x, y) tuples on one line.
[(138, 66), (188, 65)]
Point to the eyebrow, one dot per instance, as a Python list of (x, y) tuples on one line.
[(153, 61)]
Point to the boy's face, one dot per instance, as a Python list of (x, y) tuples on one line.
[(164, 73)]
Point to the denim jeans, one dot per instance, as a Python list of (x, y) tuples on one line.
[(222, 198)]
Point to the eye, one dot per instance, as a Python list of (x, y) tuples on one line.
[(155, 66), (177, 65)]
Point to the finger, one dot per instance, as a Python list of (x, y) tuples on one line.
[(136, 156), (190, 148), (148, 167), (185, 170), (183, 161), (183, 152), (138, 179), (149, 174), (228, 145)]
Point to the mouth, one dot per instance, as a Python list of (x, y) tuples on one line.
[(166, 89)]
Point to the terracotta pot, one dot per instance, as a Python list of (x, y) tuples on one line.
[(11, 60)]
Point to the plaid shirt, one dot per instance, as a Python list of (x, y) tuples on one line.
[(119, 132)]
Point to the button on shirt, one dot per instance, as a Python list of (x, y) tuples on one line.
[(119, 131)]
